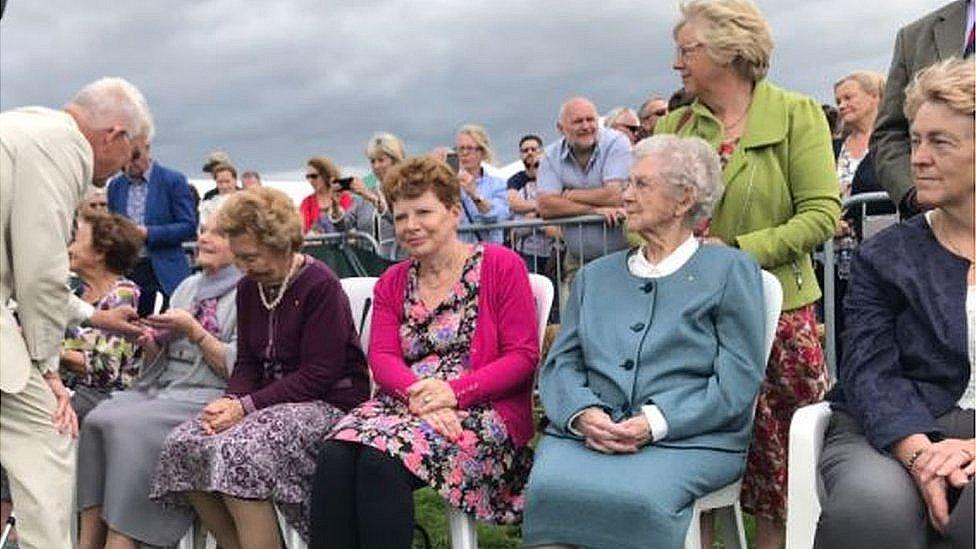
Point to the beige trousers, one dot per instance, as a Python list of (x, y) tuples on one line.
[(40, 463)]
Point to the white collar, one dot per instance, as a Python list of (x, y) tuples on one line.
[(638, 264)]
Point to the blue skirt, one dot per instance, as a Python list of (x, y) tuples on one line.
[(579, 496)]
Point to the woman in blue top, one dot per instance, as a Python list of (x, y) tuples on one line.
[(650, 384)]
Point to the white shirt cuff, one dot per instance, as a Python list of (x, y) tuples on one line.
[(79, 311), (569, 425), (659, 425)]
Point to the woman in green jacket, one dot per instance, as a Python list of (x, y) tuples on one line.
[(781, 201)]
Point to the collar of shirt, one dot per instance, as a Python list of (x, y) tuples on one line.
[(566, 152), (638, 264), (970, 21), (145, 176)]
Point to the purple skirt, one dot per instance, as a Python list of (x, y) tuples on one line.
[(270, 454)]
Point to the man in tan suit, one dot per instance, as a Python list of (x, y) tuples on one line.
[(47, 159)]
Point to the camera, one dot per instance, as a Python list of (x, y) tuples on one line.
[(345, 183)]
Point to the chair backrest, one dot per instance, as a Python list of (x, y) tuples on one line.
[(773, 300), (359, 290), (542, 292)]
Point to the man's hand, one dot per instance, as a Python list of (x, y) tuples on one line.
[(943, 457), (64, 418), (602, 434), (123, 320), (429, 394), (176, 320), (222, 414), (936, 502)]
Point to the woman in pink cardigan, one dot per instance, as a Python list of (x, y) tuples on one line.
[(453, 352)]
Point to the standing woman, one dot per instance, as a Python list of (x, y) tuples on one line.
[(453, 351), (780, 202), (299, 368), (484, 197), (384, 150)]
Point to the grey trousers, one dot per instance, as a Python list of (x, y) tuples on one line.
[(870, 499)]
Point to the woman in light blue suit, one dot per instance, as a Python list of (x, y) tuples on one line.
[(650, 385)]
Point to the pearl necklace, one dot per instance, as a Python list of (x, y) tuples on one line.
[(281, 293)]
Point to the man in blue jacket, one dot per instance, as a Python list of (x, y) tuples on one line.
[(159, 201)]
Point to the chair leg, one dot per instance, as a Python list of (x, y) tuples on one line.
[(464, 532), (693, 537), (730, 526), (289, 536), (188, 540)]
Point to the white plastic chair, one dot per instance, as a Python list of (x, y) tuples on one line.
[(188, 541), (804, 486), (464, 532), (724, 502)]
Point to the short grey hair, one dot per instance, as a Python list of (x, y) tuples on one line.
[(115, 101), (615, 113), (689, 163)]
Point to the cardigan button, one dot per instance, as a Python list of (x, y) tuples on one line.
[(628, 364), (638, 326)]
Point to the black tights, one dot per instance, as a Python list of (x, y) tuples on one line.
[(361, 498)]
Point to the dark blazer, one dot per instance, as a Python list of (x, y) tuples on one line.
[(171, 219), (865, 181), (906, 359), (935, 37)]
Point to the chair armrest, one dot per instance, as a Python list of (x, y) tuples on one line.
[(804, 489)]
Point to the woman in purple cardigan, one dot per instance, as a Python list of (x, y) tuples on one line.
[(453, 351), (299, 369)]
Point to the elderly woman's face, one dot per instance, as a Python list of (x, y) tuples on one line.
[(650, 202), (424, 224), (380, 163), (470, 153), (213, 248), (942, 156), (82, 254), (691, 61), (854, 104), (259, 262)]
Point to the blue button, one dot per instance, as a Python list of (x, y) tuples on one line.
[(637, 327), (628, 364)]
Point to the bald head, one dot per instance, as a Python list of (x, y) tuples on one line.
[(578, 122)]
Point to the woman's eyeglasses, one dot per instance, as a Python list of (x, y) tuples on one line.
[(312, 176)]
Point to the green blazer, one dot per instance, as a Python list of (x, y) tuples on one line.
[(782, 197)]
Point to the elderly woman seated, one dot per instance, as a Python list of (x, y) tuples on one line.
[(649, 386), (299, 369), (453, 349), (900, 447), (188, 355)]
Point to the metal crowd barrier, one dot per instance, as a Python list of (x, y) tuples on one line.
[(829, 259)]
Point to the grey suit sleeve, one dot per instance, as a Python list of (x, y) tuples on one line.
[(49, 178), (890, 143), (78, 311)]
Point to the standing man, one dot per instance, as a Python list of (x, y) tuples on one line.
[(649, 113), (47, 158), (625, 121), (158, 200), (946, 32), (583, 173), (225, 176)]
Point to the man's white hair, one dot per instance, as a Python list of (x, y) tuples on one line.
[(115, 101)]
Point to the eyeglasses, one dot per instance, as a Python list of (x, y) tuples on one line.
[(633, 129), (682, 51), (466, 149), (529, 150), (638, 183), (312, 176)]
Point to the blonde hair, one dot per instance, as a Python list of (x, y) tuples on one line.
[(385, 143), (871, 82), (951, 83), (733, 33), (266, 214), (480, 136)]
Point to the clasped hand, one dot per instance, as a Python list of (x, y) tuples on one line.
[(946, 463), (434, 401), (221, 414), (604, 435)]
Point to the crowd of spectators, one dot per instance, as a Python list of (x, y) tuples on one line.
[(242, 391)]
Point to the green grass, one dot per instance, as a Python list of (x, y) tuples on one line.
[(430, 514)]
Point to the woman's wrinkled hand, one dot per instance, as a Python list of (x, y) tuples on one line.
[(639, 429), (947, 458), (222, 414), (176, 320), (602, 434), (445, 421), (429, 394)]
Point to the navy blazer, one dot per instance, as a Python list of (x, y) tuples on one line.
[(906, 360), (171, 219)]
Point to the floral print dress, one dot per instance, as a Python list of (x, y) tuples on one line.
[(483, 473), (109, 358)]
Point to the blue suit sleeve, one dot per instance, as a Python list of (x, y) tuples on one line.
[(183, 227)]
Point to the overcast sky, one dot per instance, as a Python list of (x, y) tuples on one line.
[(275, 82)]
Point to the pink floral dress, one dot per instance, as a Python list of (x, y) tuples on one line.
[(483, 474)]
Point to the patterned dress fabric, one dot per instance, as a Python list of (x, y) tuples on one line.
[(796, 376), (109, 358), (483, 473)]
